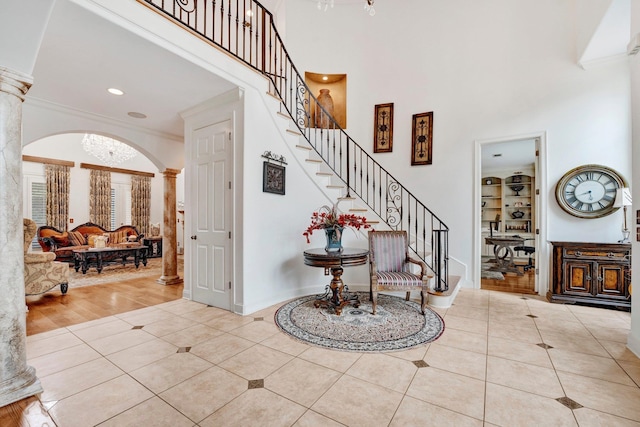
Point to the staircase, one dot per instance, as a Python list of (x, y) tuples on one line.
[(338, 165)]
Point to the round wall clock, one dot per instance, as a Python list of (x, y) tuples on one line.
[(589, 191)]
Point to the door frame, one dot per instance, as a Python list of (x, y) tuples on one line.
[(542, 246)]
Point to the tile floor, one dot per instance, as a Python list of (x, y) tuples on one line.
[(503, 360)]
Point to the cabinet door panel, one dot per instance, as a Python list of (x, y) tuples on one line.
[(610, 281), (578, 278)]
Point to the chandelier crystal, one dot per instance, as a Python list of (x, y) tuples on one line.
[(110, 151), (325, 4)]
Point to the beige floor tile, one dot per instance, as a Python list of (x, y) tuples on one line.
[(163, 415), (89, 324), (603, 396), (619, 351), (121, 341), (609, 334), (256, 404), (562, 327), (203, 394), (301, 381), (384, 370), (525, 377), (337, 360), (528, 334), (138, 356), (313, 419), (455, 392), (604, 368), (465, 324), (205, 314), (440, 311), (375, 405), (192, 336), (589, 418), (168, 326), (461, 362), (52, 344), (76, 379), (412, 354), (469, 312), (102, 330), (183, 306), (221, 348), (268, 314), (576, 343), (256, 362), (509, 407), (256, 331), (229, 322), (519, 351), (285, 343), (414, 412), (170, 371), (632, 369), (464, 340), (554, 315), (60, 360), (48, 334), (99, 403), (146, 316)]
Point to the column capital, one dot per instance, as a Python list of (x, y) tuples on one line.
[(171, 173), (14, 82)]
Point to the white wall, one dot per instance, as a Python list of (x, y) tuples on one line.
[(68, 147), (488, 70)]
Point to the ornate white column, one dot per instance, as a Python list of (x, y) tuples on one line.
[(169, 237), (17, 379)]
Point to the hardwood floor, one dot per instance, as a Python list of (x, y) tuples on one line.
[(53, 310), (512, 283)]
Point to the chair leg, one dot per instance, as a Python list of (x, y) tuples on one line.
[(374, 301), (64, 287), (422, 301), (408, 295)]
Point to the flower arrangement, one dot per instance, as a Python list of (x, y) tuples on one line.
[(328, 217)]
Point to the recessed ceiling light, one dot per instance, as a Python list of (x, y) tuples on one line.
[(114, 91), (136, 115), (325, 78), (497, 155)]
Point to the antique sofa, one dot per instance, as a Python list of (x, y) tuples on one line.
[(83, 237), (41, 272)]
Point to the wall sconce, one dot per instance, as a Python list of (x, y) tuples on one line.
[(623, 199), (249, 16)]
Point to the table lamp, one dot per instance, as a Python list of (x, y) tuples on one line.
[(623, 199)]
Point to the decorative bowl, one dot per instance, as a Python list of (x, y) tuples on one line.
[(517, 214), (517, 188)]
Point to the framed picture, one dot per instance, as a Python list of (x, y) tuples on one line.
[(421, 139), (273, 178), (383, 128)]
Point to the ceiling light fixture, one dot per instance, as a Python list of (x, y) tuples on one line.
[(324, 6), (136, 115), (109, 150), (115, 91), (369, 8)]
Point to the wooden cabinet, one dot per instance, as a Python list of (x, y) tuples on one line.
[(591, 273), (155, 246)]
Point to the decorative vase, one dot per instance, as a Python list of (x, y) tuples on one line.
[(323, 120), (334, 239)]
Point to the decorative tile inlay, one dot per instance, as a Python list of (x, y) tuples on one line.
[(525, 298), (257, 319), (256, 384), (543, 345), (421, 363), (138, 327), (569, 403), (183, 350), (533, 316)]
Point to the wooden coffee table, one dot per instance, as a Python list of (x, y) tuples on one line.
[(84, 258)]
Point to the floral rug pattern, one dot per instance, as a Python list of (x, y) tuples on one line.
[(397, 325)]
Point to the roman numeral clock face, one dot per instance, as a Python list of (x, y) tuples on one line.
[(589, 191)]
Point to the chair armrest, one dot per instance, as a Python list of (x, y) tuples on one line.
[(39, 258), (423, 266)]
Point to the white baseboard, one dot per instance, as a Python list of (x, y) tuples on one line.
[(633, 344)]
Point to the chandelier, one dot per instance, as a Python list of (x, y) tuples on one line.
[(110, 151), (325, 4)]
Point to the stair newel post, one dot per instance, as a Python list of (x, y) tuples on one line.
[(437, 254)]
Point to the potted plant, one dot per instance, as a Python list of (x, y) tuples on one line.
[(333, 223)]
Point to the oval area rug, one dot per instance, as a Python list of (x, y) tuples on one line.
[(397, 325)]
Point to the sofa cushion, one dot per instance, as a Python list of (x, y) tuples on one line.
[(61, 240), (118, 236), (76, 238)]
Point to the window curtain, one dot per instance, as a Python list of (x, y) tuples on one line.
[(140, 203), (57, 210), (100, 198)]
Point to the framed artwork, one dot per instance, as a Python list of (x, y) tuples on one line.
[(273, 178), (421, 139), (383, 128)]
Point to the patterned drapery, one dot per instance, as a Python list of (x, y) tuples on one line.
[(57, 177), (100, 198), (140, 203)]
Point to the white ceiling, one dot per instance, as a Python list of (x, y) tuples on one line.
[(83, 54)]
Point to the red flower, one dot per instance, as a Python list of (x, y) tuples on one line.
[(329, 218)]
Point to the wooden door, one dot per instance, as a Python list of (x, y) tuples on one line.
[(212, 216)]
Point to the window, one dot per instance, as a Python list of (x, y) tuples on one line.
[(120, 204), (36, 202)]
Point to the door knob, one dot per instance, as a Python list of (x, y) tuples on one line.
[(194, 237)]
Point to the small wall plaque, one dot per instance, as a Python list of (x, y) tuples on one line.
[(273, 178), (421, 139), (383, 128)]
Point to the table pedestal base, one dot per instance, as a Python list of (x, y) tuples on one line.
[(335, 296)]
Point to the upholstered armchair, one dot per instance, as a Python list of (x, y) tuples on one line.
[(41, 272), (390, 266)]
